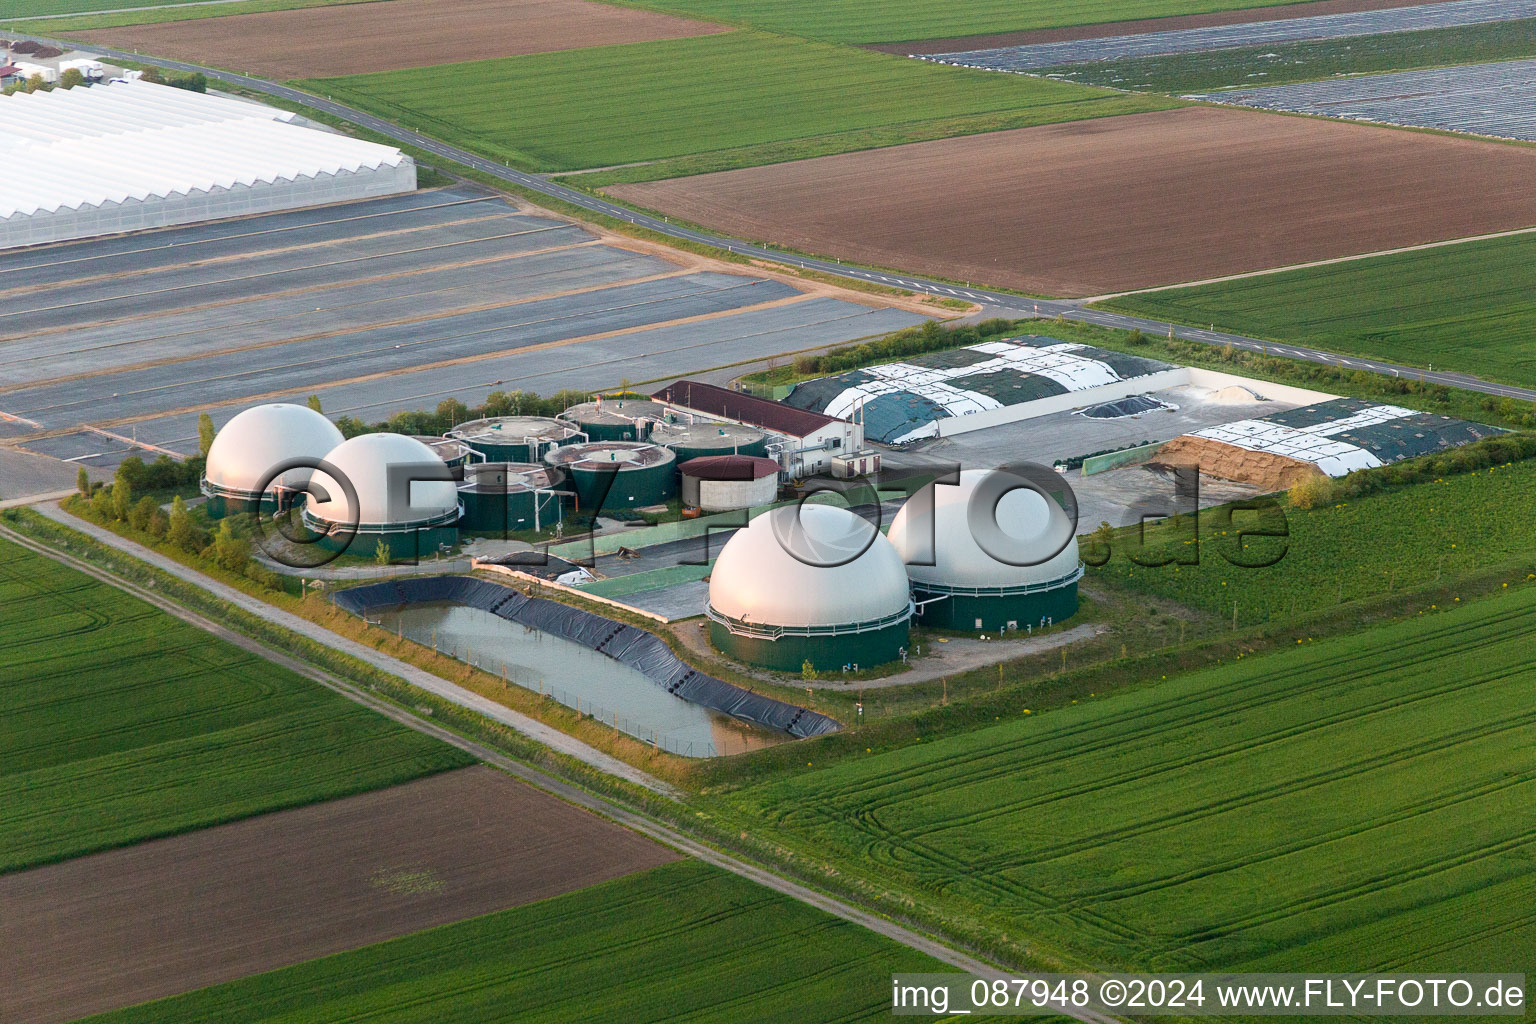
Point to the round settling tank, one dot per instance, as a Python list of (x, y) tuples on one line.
[(960, 584), (809, 583), (451, 450), (716, 483), (516, 438), (506, 497), (699, 440), (406, 498), (238, 475), (616, 419), (616, 474)]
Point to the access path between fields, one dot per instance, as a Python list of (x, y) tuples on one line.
[(1003, 302), (581, 798), (435, 685)]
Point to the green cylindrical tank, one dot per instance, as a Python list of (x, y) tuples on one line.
[(700, 440), (500, 497), (451, 450), (616, 419), (523, 439), (617, 474)]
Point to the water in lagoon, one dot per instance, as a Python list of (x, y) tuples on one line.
[(575, 675)]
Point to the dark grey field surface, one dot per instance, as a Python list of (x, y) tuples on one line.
[(377, 307)]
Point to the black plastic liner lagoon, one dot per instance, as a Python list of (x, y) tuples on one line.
[(642, 650)]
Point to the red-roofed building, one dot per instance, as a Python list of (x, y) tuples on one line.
[(802, 442)]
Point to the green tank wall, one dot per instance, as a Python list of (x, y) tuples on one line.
[(632, 488), (697, 451), (609, 431), (961, 613), (825, 653), (220, 506), (509, 512), (510, 452), (404, 545)]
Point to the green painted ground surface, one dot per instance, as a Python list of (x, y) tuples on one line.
[(1368, 801), (122, 723), (762, 98), (682, 942), (1468, 307), (1309, 61), (879, 21)]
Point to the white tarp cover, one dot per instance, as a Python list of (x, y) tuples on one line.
[(1059, 363), (1314, 443)]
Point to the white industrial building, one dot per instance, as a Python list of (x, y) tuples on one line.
[(135, 155)]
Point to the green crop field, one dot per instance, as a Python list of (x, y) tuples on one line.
[(680, 942), (1468, 307), (1367, 802), (1401, 540), (882, 21), (778, 98), (175, 10), (1274, 64), (122, 723)]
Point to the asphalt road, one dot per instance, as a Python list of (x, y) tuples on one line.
[(596, 804), (1044, 307)]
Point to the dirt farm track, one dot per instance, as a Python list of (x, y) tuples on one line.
[(1120, 203), (168, 916), (353, 38)]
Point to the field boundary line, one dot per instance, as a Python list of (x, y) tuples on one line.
[(1306, 266), (419, 678), (526, 182), (599, 805)]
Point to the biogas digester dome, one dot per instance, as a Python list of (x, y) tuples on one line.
[(406, 497), (238, 475), (940, 534), (809, 583)]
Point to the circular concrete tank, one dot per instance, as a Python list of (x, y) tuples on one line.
[(698, 440), (716, 483), (617, 474), (516, 438), (616, 419), (508, 497)]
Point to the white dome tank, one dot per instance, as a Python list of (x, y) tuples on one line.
[(262, 437), (1031, 525), (758, 580), (366, 461)]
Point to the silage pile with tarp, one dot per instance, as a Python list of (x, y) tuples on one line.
[(1343, 435), (904, 401), (643, 651)]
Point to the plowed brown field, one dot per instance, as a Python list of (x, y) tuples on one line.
[(1120, 203), (177, 914), (350, 39)]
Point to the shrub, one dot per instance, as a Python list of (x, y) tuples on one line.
[(139, 515), (1313, 492), (230, 550)]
